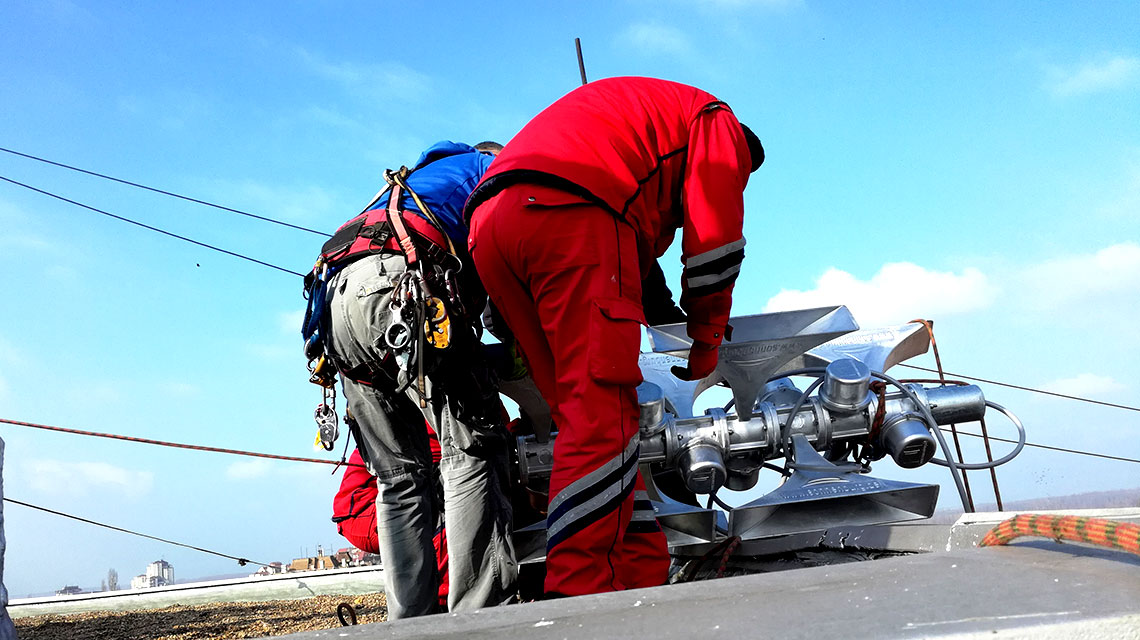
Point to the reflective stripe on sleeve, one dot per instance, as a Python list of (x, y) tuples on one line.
[(713, 270)]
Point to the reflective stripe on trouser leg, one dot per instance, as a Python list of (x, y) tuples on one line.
[(563, 276), (592, 496), (643, 564)]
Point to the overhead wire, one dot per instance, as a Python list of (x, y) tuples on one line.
[(147, 226), (941, 373), (1052, 448), (1021, 388), (286, 224), (163, 192), (240, 561), (271, 220), (176, 445)]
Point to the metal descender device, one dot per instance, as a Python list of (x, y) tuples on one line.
[(827, 435)]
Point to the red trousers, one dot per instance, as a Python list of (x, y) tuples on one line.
[(564, 273)]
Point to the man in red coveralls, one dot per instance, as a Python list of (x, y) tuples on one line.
[(564, 226)]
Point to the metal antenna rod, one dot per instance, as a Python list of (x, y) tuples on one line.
[(581, 64)]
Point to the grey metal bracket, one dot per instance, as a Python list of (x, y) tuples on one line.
[(820, 495), (879, 349), (761, 345)]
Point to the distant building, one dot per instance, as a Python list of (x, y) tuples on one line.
[(162, 570), (158, 574), (342, 559), (69, 591), (270, 569)]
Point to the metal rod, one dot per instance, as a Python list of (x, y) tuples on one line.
[(581, 63), (990, 458)]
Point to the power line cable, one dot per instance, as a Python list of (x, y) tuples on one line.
[(176, 445), (1014, 386), (322, 233), (1051, 448), (146, 226), (240, 561), (256, 261), (165, 193)]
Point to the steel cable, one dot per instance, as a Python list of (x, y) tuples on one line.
[(176, 444), (165, 193), (147, 226), (240, 561), (1021, 388)]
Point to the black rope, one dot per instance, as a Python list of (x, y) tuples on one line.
[(146, 226), (165, 193), (240, 561), (1014, 386), (1051, 448)]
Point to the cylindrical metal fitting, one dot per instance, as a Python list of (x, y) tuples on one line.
[(652, 401), (702, 467), (742, 480), (908, 440), (846, 386), (954, 404)]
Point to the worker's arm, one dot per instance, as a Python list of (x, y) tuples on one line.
[(712, 241)]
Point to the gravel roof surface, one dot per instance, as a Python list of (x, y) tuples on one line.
[(199, 622)]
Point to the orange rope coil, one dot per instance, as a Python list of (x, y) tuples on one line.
[(1101, 532)]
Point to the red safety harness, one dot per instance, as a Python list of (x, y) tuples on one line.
[(386, 229)]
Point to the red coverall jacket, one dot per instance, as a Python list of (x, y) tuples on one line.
[(548, 239), (646, 150)]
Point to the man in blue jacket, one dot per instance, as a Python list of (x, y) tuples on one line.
[(402, 298)]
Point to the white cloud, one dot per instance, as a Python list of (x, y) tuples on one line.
[(58, 477), (248, 469), (95, 393), (301, 202), (276, 352), (12, 218), (372, 80), (16, 241), (1085, 385), (1114, 270), (179, 389), (657, 39), (898, 293), (736, 4), (285, 471), (174, 110), (9, 355), (1125, 203), (10, 359), (1092, 77), (63, 274), (290, 321), (332, 118)]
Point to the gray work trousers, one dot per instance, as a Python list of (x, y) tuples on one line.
[(394, 444)]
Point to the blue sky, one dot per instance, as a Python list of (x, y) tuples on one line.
[(976, 163)]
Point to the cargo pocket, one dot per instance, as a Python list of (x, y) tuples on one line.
[(615, 341)]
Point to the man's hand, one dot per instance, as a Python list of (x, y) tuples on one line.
[(702, 361)]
